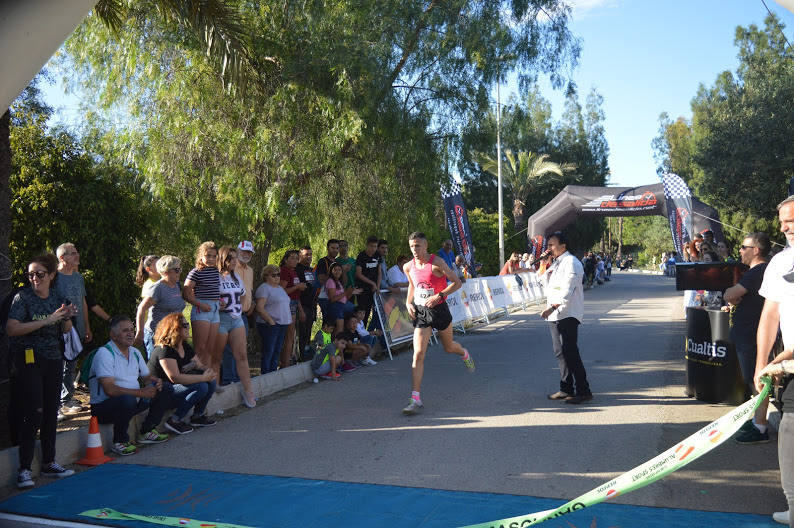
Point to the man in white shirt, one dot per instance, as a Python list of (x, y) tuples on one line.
[(564, 312), (116, 394)]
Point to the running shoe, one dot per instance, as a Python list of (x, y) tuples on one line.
[(124, 448), (202, 421), (369, 361), (329, 376), (469, 363), (24, 479), (248, 399), (348, 367), (413, 408), (152, 437), (178, 427), (56, 470), (781, 517), (71, 407)]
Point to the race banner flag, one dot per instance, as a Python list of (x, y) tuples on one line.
[(458, 224), (678, 456), (679, 209)]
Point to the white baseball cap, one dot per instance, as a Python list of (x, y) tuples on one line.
[(246, 245)]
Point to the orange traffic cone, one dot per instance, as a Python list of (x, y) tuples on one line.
[(94, 454)]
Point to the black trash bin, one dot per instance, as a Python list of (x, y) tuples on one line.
[(712, 369)]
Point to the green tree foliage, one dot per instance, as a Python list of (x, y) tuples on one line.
[(742, 145), (340, 132), (577, 140), (523, 173), (61, 192), (737, 153)]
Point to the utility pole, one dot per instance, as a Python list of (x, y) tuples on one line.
[(499, 174), (620, 237)]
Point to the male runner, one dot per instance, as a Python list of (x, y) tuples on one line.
[(430, 281)]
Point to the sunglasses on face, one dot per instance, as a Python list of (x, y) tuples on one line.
[(37, 274), (275, 275), (178, 270), (747, 247)]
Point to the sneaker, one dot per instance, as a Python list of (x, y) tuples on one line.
[(248, 399), (24, 479), (124, 448), (781, 517), (152, 437), (746, 427), (329, 376), (559, 395), (61, 416), (71, 407), (369, 361), (56, 470), (348, 367), (202, 421), (414, 407), (178, 427), (579, 398), (752, 436), (469, 363)]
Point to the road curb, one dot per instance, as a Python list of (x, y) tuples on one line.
[(70, 445)]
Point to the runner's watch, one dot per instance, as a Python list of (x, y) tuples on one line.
[(442, 294)]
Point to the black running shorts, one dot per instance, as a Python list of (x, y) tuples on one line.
[(437, 317)]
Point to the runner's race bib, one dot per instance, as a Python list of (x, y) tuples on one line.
[(421, 295)]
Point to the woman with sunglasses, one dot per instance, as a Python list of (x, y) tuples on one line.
[(232, 329), (163, 298), (37, 318), (272, 316), (174, 361)]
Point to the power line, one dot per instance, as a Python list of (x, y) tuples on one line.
[(778, 27)]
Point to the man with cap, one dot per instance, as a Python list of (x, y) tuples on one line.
[(245, 250)]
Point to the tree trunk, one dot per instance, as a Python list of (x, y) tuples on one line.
[(518, 215), (5, 227), (620, 238)]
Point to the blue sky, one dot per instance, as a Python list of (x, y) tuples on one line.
[(643, 56), (649, 56)]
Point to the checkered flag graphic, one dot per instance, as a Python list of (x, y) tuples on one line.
[(675, 187), (451, 189)]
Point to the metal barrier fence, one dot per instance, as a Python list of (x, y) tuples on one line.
[(478, 300)]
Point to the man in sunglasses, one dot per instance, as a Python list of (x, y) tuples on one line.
[(744, 296)]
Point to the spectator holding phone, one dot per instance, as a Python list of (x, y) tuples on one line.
[(36, 319)]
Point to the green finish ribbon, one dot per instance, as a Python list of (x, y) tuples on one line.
[(678, 456), (107, 513)]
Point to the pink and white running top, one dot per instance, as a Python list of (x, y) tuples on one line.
[(425, 283)]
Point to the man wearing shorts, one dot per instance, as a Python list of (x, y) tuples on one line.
[(430, 281)]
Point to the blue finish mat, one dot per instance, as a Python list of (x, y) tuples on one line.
[(281, 502)]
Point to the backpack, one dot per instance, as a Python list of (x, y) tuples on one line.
[(85, 368)]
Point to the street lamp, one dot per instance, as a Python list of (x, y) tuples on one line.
[(499, 173)]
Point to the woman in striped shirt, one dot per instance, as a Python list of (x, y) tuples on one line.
[(202, 290)]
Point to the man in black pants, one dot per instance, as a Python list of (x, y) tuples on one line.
[(564, 312)]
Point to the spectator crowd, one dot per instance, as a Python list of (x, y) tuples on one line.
[(189, 337)]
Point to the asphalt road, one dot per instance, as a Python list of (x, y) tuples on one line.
[(494, 430)]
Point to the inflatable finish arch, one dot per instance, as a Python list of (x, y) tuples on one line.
[(600, 202)]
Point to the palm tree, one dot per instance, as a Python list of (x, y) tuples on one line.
[(524, 173)]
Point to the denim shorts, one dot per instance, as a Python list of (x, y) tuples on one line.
[(338, 310), (229, 323), (213, 316)]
